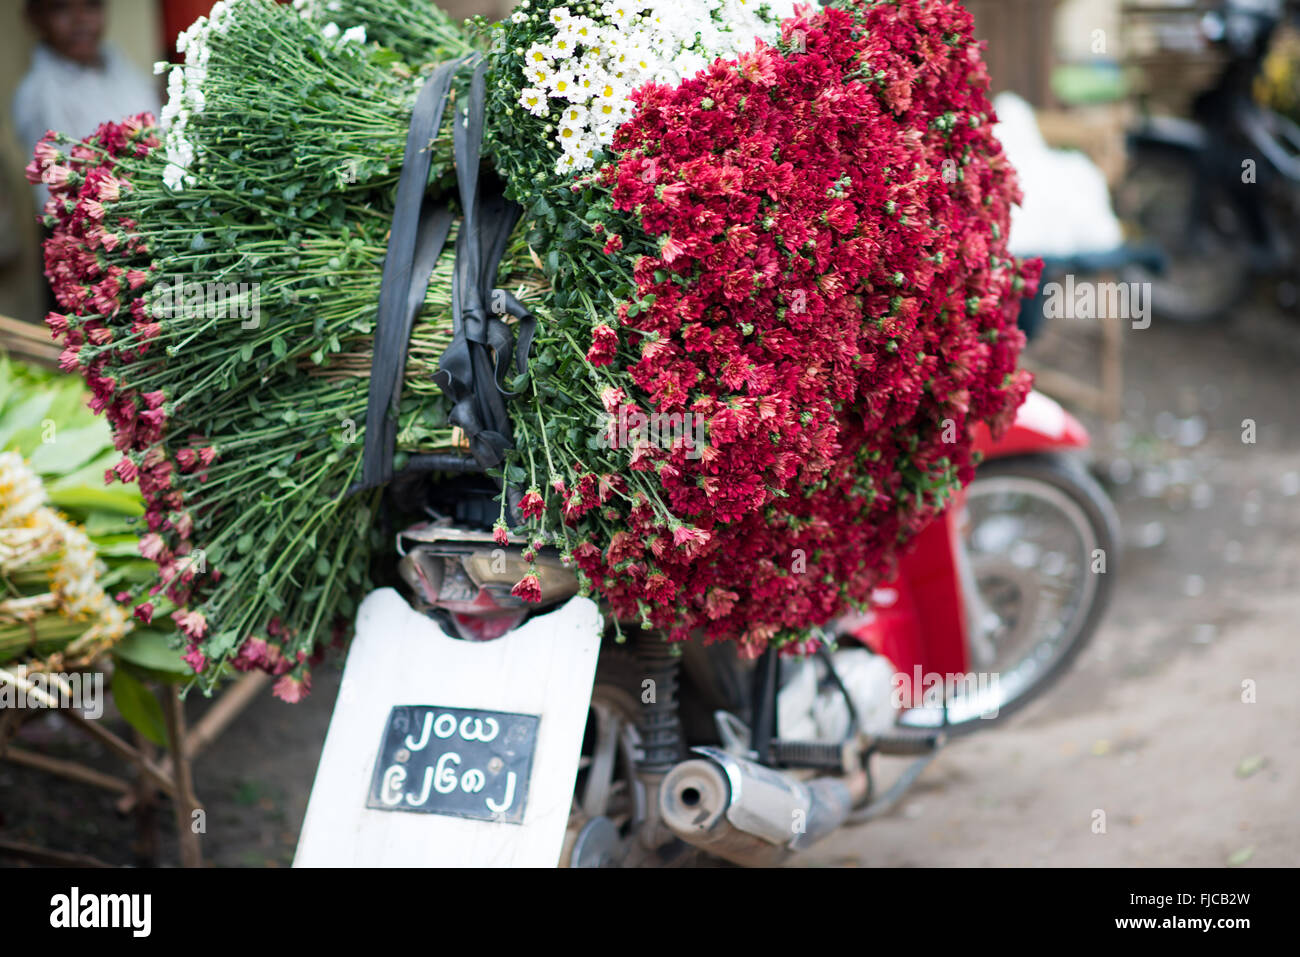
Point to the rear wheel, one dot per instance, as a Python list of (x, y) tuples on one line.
[(1040, 541), (610, 802)]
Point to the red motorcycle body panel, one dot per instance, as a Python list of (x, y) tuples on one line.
[(1041, 425), (918, 619)]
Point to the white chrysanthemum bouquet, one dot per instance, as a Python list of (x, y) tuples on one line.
[(580, 71)]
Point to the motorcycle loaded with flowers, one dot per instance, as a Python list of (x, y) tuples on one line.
[(630, 360)]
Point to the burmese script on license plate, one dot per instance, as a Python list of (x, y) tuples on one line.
[(460, 762)]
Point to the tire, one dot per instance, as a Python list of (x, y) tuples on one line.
[(1202, 231), (616, 697), (1055, 480)]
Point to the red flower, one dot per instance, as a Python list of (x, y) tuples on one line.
[(152, 546), (690, 540), (292, 689), (529, 588), (604, 345), (195, 658), (253, 653), (532, 505), (192, 623), (126, 470)]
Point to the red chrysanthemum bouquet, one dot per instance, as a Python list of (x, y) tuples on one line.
[(809, 244)]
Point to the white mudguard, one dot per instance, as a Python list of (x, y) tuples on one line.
[(365, 810)]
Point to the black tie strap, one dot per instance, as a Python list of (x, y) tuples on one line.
[(472, 370)]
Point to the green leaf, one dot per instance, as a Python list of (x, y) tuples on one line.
[(71, 449), (1251, 764), (91, 475), (150, 651), (222, 642), (102, 524), (24, 417), (116, 546), (125, 502), (139, 706)]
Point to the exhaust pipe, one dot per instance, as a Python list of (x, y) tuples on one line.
[(749, 814)]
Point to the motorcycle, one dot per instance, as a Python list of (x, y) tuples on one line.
[(552, 742), (1218, 191)]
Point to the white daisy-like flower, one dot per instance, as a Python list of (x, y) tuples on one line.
[(565, 45), (561, 84), (534, 101), (574, 115), (583, 28), (539, 54), (618, 12), (570, 136)]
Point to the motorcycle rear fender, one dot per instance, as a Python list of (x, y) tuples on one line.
[(1040, 425), (399, 657)]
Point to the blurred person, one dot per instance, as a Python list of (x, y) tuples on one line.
[(76, 81)]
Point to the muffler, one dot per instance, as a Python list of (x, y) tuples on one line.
[(749, 814)]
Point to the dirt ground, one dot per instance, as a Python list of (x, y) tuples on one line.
[(1147, 737)]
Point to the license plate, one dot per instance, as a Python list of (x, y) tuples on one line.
[(460, 762)]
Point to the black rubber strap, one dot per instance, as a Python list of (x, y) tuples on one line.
[(472, 370), (419, 232)]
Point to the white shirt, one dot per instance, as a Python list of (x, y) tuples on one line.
[(60, 94)]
